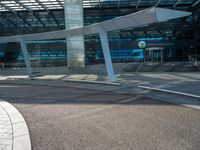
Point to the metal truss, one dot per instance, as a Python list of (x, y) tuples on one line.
[(177, 2), (28, 9), (138, 3), (15, 13), (157, 3), (196, 3), (49, 12), (20, 5)]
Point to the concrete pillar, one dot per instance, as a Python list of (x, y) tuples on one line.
[(106, 53), (26, 57), (75, 45)]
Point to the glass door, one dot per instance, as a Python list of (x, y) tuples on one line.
[(154, 54)]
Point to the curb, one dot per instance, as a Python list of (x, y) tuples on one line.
[(68, 80)]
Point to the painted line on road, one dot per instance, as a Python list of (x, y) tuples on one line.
[(90, 81), (170, 91), (11, 86), (130, 99)]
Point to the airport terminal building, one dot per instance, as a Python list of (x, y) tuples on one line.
[(169, 41)]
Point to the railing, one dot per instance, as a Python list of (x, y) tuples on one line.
[(195, 60), (140, 66), (2, 66)]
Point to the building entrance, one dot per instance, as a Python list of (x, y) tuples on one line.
[(154, 54)]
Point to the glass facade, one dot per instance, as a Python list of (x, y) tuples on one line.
[(176, 39), (47, 53)]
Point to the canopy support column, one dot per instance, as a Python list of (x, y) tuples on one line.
[(26, 57), (73, 14), (106, 52)]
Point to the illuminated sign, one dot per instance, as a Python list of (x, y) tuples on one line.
[(142, 44)]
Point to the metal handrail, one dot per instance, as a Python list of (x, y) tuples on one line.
[(195, 60), (140, 66), (2, 66)]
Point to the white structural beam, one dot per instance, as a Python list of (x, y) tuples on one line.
[(138, 3), (26, 57), (177, 2), (157, 3), (195, 3), (100, 4), (118, 5), (106, 54)]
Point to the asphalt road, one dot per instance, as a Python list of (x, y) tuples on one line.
[(61, 118)]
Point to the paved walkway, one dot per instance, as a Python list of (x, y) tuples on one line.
[(14, 134), (184, 87)]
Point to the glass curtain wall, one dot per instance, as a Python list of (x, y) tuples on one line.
[(178, 38)]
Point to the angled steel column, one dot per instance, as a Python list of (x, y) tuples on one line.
[(26, 57), (106, 52)]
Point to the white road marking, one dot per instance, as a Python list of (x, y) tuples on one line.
[(129, 99), (10, 86), (170, 91)]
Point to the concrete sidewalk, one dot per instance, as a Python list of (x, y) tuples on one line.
[(14, 133)]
